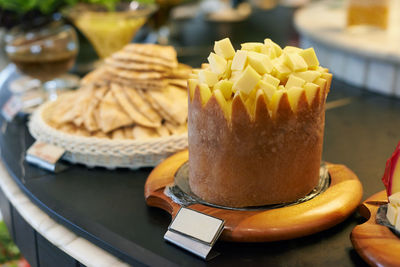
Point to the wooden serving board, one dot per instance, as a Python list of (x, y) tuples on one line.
[(322, 212), (375, 243)]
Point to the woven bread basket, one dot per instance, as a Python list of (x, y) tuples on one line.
[(102, 152)]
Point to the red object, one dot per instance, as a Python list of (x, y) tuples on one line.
[(390, 167), (23, 263)]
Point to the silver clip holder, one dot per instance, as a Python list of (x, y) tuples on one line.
[(46, 156), (195, 232)]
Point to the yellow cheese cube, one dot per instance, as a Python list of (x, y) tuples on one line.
[(395, 199), (260, 62), (205, 66), (328, 78), (310, 57), (292, 49), (268, 51), (308, 76), (295, 62), (259, 93), (235, 75), (276, 47), (281, 71), (294, 81), (192, 83), (217, 63), (205, 93), (276, 99), (311, 91), (193, 76), (256, 47), (239, 60), (268, 89), (224, 48), (225, 87), (228, 71), (196, 71), (208, 77), (294, 94), (247, 80), (241, 95), (322, 69), (392, 214), (222, 102), (250, 101), (271, 80), (321, 83)]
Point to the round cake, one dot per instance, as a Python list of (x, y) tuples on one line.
[(256, 124)]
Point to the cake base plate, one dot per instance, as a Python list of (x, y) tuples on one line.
[(375, 243), (329, 208)]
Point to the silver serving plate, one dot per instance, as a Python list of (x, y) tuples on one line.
[(181, 193)]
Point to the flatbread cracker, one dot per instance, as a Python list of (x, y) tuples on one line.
[(165, 52), (118, 134), (172, 101), (93, 76), (162, 131), (176, 129), (89, 119), (100, 134), (181, 72), (82, 131), (181, 83), (134, 75), (123, 55), (138, 84), (140, 132), (64, 104), (68, 128), (130, 109), (157, 107), (80, 103), (128, 132), (111, 114), (138, 66), (142, 105)]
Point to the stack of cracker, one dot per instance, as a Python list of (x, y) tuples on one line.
[(140, 92)]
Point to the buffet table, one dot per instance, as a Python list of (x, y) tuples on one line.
[(107, 208), (98, 217)]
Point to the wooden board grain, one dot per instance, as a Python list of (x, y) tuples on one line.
[(375, 243), (322, 212)]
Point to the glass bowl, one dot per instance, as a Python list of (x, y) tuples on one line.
[(109, 31), (43, 53)]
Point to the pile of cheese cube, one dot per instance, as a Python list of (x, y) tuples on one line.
[(258, 69)]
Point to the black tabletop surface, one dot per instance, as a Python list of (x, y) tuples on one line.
[(108, 207)]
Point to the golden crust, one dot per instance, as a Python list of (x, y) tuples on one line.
[(255, 161)]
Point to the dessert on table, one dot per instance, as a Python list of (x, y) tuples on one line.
[(256, 123), (368, 12)]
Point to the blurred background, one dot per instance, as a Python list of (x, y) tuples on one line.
[(348, 35), (191, 26)]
